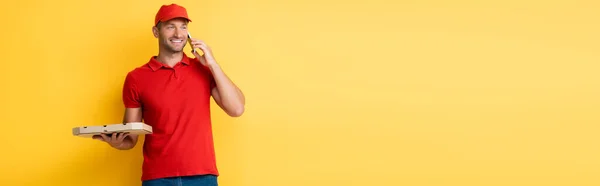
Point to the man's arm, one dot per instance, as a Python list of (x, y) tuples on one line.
[(124, 141), (226, 94), (131, 115)]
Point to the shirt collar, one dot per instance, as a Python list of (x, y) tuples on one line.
[(155, 64)]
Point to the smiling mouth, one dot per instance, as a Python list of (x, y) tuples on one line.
[(177, 41)]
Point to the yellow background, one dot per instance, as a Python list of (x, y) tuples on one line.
[(415, 93)]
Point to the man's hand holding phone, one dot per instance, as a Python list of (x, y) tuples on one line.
[(207, 59)]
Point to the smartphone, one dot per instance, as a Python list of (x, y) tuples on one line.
[(190, 42)]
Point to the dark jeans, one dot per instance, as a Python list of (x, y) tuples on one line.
[(201, 180)]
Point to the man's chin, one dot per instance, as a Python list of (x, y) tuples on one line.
[(175, 50)]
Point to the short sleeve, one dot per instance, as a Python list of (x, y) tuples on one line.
[(131, 96)]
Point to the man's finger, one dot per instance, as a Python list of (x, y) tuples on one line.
[(122, 137), (97, 137), (118, 136), (104, 137), (114, 136)]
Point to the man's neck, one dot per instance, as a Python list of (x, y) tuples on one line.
[(169, 59)]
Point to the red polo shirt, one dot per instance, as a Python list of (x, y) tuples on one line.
[(175, 101)]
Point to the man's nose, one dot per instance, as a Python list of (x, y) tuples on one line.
[(179, 33)]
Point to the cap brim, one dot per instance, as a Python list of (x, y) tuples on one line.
[(174, 17)]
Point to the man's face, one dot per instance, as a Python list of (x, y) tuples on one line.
[(172, 35)]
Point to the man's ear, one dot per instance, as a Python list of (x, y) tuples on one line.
[(155, 31)]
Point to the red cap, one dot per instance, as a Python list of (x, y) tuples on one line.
[(167, 12)]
